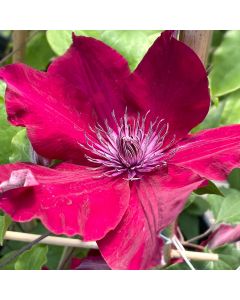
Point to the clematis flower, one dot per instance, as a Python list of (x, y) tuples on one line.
[(128, 160)]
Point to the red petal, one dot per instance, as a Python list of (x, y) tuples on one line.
[(211, 153), (155, 202), (52, 110), (68, 200), (96, 69), (225, 234), (172, 83)]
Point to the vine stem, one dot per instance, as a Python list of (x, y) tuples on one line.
[(23, 249), (66, 256), (200, 236)]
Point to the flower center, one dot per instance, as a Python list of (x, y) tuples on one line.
[(130, 148)]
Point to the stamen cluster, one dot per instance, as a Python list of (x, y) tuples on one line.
[(131, 148)]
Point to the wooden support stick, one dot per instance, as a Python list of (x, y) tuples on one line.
[(70, 242), (201, 256), (50, 240), (198, 40), (19, 41)]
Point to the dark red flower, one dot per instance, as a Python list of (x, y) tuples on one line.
[(132, 128)]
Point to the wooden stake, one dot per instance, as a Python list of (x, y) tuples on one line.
[(50, 240), (70, 242), (200, 256), (198, 40), (19, 41)]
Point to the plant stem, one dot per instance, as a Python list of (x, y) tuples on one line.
[(23, 249), (200, 236), (65, 258), (190, 245)]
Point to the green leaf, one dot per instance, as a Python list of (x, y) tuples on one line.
[(211, 188), (225, 74), (227, 209), (5, 222), (181, 266), (11, 265), (212, 119), (189, 201), (6, 130), (198, 207), (234, 179), (231, 112), (20, 147), (132, 44), (189, 231), (38, 52), (229, 259), (2, 89), (32, 259), (217, 37)]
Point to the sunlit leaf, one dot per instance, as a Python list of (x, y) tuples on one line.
[(2, 88), (6, 130), (32, 259), (226, 209), (19, 147), (38, 52), (231, 112), (225, 74), (5, 221)]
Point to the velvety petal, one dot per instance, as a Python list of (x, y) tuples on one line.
[(93, 261), (172, 83), (68, 200), (225, 234), (98, 70), (211, 153), (55, 112), (156, 200)]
